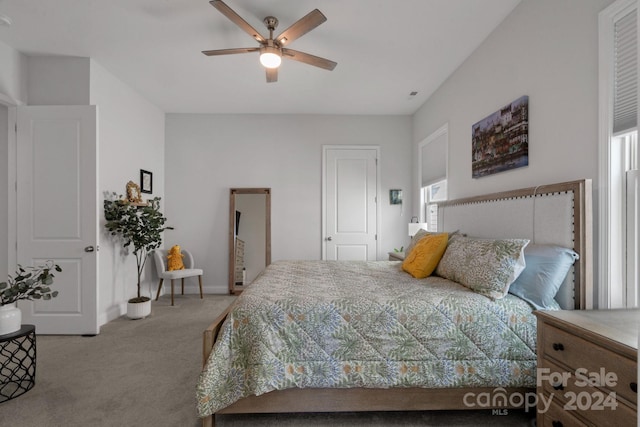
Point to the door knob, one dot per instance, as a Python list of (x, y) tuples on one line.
[(89, 249), (329, 238)]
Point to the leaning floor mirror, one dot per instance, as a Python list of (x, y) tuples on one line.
[(249, 235)]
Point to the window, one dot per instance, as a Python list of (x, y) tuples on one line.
[(618, 163), (432, 164), (628, 175), (432, 194)]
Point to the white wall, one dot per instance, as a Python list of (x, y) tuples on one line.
[(548, 50), (208, 154), (131, 137), (55, 80), (4, 195), (13, 91), (13, 71)]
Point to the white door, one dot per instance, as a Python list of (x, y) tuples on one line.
[(349, 203), (57, 212)]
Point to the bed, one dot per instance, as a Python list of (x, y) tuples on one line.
[(321, 336)]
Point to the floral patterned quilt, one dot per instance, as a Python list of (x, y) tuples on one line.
[(365, 324)]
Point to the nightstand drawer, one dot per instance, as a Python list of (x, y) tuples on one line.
[(597, 405), (557, 417), (577, 353)]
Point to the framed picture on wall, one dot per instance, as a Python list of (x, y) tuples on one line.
[(395, 197), (146, 181), (500, 141)]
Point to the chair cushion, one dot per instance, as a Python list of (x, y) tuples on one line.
[(179, 274), (174, 259)]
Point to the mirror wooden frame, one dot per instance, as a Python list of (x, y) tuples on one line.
[(232, 226)]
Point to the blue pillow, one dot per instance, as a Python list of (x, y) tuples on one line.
[(545, 271)]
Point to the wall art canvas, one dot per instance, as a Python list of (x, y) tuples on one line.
[(500, 141)]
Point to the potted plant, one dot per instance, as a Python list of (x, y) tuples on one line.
[(139, 226), (28, 283)]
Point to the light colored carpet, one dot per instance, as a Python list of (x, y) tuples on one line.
[(143, 373)]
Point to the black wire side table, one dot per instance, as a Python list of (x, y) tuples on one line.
[(17, 362)]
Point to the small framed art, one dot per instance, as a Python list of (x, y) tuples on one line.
[(395, 197), (146, 181)]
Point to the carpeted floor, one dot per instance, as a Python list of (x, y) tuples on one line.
[(143, 373)]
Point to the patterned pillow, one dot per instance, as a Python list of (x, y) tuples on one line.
[(485, 266), (425, 255)]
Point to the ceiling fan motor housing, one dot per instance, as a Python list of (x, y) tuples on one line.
[(271, 22)]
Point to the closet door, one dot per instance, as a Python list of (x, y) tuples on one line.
[(350, 211), (57, 212)]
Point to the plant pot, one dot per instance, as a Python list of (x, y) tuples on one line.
[(10, 318), (138, 308)]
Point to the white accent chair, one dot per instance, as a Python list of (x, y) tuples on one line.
[(160, 258)]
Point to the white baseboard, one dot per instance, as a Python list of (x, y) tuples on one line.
[(112, 314)]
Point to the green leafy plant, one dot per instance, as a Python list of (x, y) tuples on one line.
[(139, 226), (29, 283)]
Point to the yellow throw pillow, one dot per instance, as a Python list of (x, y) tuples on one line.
[(421, 233), (174, 259), (425, 255)]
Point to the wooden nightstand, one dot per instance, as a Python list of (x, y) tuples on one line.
[(587, 367)]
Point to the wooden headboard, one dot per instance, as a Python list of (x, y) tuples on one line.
[(547, 214)]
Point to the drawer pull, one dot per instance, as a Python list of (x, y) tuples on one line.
[(557, 346), (634, 387), (558, 386), (556, 423)]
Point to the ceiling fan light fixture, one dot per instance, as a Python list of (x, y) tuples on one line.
[(270, 57)]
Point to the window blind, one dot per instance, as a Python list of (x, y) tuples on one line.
[(434, 161), (625, 96)]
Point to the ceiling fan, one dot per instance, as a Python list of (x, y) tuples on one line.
[(273, 49)]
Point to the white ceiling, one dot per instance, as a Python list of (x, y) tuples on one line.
[(384, 49)]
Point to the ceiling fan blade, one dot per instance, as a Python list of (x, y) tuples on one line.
[(309, 59), (230, 51), (301, 27), (272, 75), (237, 19)]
